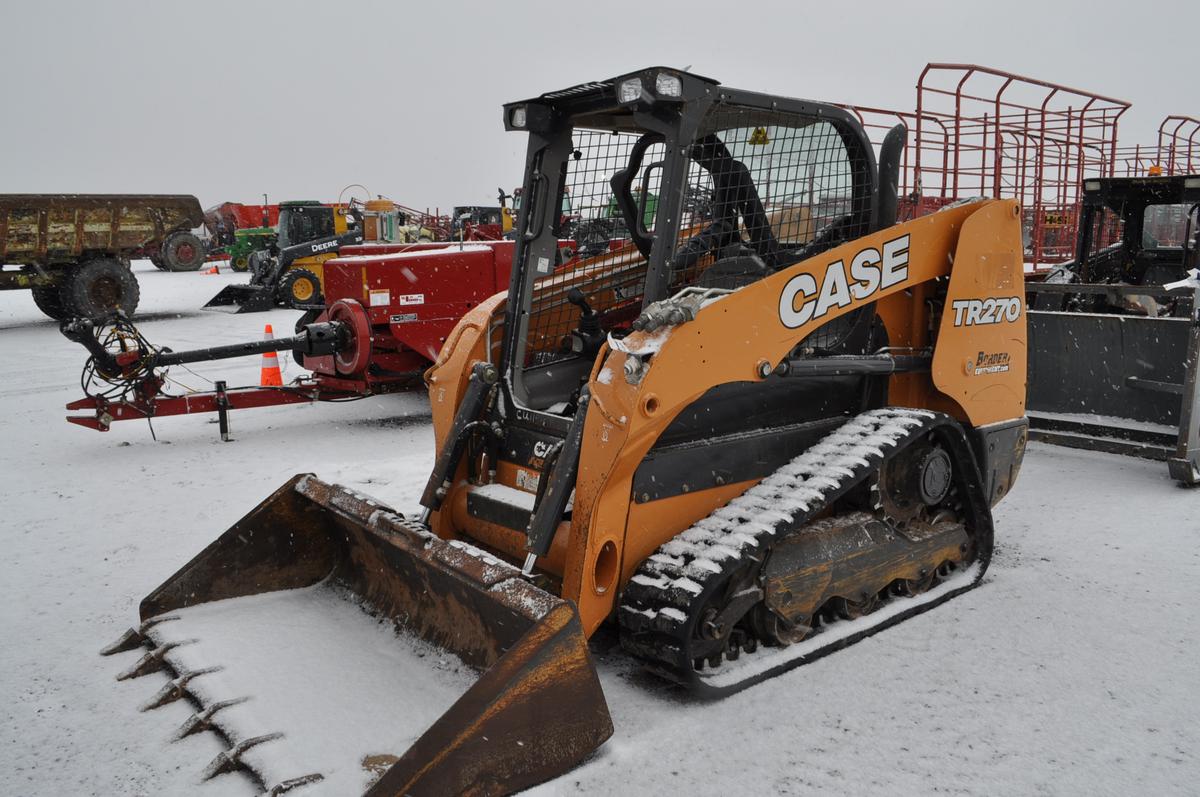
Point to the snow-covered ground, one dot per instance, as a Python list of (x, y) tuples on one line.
[(1072, 670)]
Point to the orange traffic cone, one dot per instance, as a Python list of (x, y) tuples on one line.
[(213, 270), (271, 375)]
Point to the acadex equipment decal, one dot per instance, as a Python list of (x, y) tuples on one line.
[(871, 270)]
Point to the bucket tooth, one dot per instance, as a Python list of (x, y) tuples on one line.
[(203, 720), (231, 760), (152, 661), (535, 711), (292, 783), (175, 689), (130, 640), (134, 638)]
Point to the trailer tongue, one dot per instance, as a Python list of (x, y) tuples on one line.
[(329, 560)]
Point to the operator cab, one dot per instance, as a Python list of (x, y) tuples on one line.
[(1139, 230), (677, 183), (1136, 231), (300, 222)]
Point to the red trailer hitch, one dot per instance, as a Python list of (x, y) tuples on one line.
[(125, 376)]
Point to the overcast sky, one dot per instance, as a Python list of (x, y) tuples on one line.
[(228, 100)]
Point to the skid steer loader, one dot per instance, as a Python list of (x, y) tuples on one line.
[(1115, 333), (290, 271), (739, 446)]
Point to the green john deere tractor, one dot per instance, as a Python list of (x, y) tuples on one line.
[(248, 241)]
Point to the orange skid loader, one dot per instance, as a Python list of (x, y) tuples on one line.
[(767, 424)]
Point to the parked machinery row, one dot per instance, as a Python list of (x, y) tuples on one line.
[(73, 251)]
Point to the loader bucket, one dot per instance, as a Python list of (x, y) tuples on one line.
[(243, 298), (1117, 383), (340, 648)]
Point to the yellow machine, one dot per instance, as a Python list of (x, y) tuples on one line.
[(291, 272), (743, 446)]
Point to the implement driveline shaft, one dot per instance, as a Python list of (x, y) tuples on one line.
[(315, 339), (227, 351)]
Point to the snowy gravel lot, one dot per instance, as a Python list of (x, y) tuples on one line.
[(1072, 670)]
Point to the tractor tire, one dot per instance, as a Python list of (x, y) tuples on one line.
[(49, 301), (158, 262), (240, 262), (299, 287), (98, 287), (183, 251), (309, 317)]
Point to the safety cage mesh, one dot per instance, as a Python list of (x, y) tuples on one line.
[(608, 269), (768, 188)]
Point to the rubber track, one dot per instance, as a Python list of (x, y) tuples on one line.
[(660, 606)]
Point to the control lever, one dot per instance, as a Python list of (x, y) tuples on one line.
[(587, 339)]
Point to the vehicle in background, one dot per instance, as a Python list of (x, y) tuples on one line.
[(481, 222), (289, 271), (390, 308), (1114, 335), (236, 231), (248, 241), (73, 251)]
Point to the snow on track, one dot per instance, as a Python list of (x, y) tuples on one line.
[(1070, 670), (744, 668)]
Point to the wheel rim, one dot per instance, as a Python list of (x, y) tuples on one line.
[(302, 290), (185, 252), (105, 293)]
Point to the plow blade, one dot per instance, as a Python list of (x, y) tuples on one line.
[(242, 298), (340, 648), (1117, 383)]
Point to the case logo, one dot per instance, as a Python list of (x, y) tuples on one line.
[(871, 270), (974, 312)]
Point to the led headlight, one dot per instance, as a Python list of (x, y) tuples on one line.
[(1191, 182), (629, 90), (1091, 185), (668, 85), (518, 116)]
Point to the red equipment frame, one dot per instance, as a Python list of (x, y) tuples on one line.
[(242, 217), (146, 405), (1176, 152), (405, 300), (434, 221), (979, 131), (915, 198), (1017, 137)]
